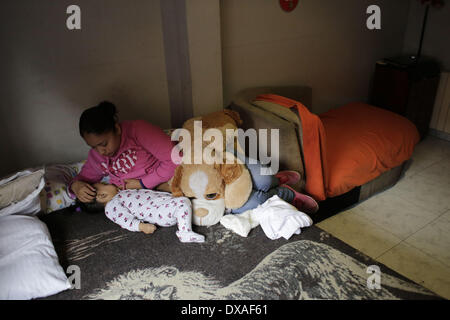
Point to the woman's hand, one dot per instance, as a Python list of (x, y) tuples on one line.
[(131, 184), (84, 191)]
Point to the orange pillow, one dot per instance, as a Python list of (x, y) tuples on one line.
[(364, 141)]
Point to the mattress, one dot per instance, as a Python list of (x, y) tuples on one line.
[(260, 116), (348, 146)]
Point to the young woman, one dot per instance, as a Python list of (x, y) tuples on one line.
[(130, 154)]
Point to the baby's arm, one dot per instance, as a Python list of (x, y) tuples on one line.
[(117, 212)]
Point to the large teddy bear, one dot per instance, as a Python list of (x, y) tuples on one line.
[(213, 187)]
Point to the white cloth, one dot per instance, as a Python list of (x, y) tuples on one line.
[(276, 217), (240, 223)]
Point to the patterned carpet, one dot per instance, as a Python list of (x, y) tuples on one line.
[(118, 264)]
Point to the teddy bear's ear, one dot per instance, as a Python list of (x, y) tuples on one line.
[(237, 192), (233, 115), (229, 172), (176, 181), (189, 124)]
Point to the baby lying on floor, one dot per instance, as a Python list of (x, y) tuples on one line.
[(142, 209)]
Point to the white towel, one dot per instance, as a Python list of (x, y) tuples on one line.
[(240, 223), (276, 217)]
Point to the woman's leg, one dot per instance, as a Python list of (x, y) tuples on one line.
[(261, 182), (299, 200), (259, 197)]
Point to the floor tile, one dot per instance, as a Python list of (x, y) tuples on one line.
[(438, 173), (434, 239), (419, 267), (358, 232), (399, 216), (423, 192), (434, 146), (419, 162), (407, 227), (428, 152)]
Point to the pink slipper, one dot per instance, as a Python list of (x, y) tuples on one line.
[(303, 202), (288, 177)]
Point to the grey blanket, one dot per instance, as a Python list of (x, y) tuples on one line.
[(114, 263)]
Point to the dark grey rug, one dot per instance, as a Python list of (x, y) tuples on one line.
[(118, 264)]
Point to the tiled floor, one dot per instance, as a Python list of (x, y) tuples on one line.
[(407, 227)]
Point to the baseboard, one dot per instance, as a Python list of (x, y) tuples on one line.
[(439, 134)]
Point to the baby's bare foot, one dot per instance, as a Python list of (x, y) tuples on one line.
[(147, 228)]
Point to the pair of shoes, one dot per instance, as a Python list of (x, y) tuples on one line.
[(288, 177), (303, 202)]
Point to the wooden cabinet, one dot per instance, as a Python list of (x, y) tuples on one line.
[(407, 88)]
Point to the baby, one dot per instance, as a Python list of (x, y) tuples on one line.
[(142, 209)]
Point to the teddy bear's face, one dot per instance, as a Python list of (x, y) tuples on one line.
[(205, 186), (202, 181), (231, 182), (207, 212), (212, 188)]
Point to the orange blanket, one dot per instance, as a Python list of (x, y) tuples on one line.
[(348, 146), (363, 142), (314, 145)]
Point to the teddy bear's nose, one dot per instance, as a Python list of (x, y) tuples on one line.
[(201, 212)]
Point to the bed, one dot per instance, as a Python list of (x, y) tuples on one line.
[(344, 155)]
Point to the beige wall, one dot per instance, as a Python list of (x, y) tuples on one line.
[(323, 44), (50, 74), (205, 55), (436, 41)]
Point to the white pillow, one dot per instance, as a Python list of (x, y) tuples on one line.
[(29, 266), (19, 194)]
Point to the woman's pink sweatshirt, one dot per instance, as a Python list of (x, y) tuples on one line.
[(144, 153)]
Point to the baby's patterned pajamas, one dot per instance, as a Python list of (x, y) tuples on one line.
[(131, 207)]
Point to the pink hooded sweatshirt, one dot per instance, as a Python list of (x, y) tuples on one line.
[(144, 154)]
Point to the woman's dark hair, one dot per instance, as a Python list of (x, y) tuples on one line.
[(99, 119), (91, 207)]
